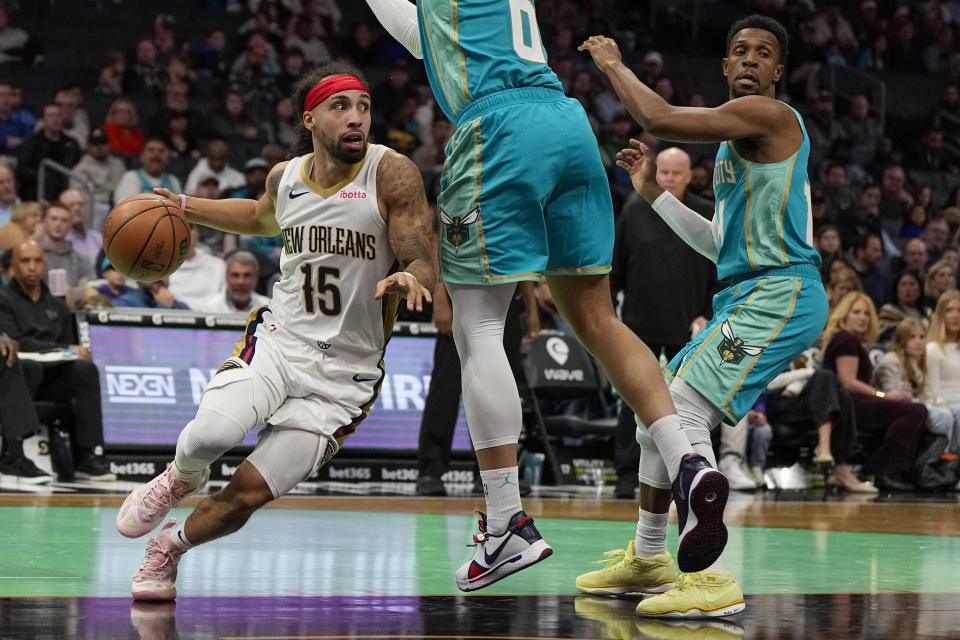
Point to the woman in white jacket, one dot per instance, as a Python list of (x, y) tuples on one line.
[(943, 362)]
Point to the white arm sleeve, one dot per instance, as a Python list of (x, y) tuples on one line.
[(399, 18), (694, 229)]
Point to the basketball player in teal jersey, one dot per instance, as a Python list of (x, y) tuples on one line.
[(524, 193), (773, 308)]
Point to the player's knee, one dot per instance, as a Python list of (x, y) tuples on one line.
[(208, 436)]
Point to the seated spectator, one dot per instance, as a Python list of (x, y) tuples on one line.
[(215, 164), (18, 419), (941, 277), (810, 399), (238, 296), (103, 171), (50, 143), (256, 77), (232, 123), (152, 172), (905, 367), (9, 200), (943, 360), (907, 303), (110, 80), (916, 222), (123, 128), (150, 295), (862, 129), (14, 128), (429, 158), (210, 60), (935, 236), (59, 252), (862, 218), (24, 224), (915, 258), (146, 74), (177, 132), (76, 123), (272, 154), (201, 276), (16, 45), (86, 242), (282, 128), (93, 299), (315, 52), (112, 284), (828, 244), (868, 263), (842, 281), (837, 193), (893, 418), (36, 319), (930, 154)]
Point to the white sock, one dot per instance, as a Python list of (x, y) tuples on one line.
[(718, 565), (186, 477), (651, 534), (671, 441), (502, 490), (179, 536)]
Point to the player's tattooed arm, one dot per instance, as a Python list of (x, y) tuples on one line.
[(236, 215)]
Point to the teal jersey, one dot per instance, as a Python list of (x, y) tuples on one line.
[(473, 48), (763, 211)]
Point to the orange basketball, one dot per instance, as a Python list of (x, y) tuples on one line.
[(146, 237)]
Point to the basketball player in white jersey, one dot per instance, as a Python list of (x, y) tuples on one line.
[(357, 235)]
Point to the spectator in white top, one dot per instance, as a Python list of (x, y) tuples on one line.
[(314, 50), (86, 242), (214, 163), (943, 358), (201, 277), (151, 174), (9, 200), (239, 296), (101, 170)]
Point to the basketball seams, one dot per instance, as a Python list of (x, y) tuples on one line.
[(144, 237)]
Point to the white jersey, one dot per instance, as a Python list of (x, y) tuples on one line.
[(335, 250)]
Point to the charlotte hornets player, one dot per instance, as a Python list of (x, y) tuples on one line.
[(310, 363), (525, 193), (774, 306)]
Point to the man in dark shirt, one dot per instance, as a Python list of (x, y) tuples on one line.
[(667, 288), (18, 419), (50, 142), (30, 314)]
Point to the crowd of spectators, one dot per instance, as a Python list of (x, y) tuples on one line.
[(209, 116)]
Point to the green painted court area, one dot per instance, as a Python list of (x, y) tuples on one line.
[(67, 551)]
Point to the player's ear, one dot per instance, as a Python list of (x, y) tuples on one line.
[(723, 65), (307, 119), (777, 73)]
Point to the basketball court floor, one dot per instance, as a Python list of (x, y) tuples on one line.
[(375, 561)]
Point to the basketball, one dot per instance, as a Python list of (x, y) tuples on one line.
[(146, 237)]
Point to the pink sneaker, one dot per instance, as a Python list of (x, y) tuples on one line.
[(156, 577), (147, 506)]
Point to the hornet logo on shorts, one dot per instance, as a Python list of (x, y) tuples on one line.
[(732, 349), (458, 228)]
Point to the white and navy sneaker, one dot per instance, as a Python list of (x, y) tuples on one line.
[(700, 492), (500, 555)]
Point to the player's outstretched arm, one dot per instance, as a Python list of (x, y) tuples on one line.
[(746, 117), (403, 201), (399, 18), (698, 233), (235, 215)]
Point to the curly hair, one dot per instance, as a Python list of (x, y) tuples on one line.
[(303, 140)]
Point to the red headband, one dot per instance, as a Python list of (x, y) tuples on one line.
[(329, 86)]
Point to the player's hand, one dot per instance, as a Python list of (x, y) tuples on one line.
[(604, 50), (174, 198), (641, 163), (9, 349), (406, 285), (443, 315), (533, 325)]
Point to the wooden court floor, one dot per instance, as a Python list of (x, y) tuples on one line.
[(381, 566)]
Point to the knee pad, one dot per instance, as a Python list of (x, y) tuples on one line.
[(652, 470), (205, 438)]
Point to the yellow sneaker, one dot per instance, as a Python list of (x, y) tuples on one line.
[(615, 616), (689, 630), (704, 594), (627, 573)]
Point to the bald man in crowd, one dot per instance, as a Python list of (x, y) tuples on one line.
[(667, 288)]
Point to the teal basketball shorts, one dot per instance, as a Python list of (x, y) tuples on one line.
[(523, 191), (759, 326)]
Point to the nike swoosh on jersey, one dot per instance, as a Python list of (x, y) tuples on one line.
[(491, 558), (297, 195), (357, 378)]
